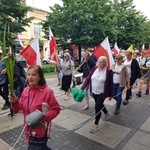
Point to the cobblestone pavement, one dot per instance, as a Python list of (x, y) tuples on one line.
[(129, 130)]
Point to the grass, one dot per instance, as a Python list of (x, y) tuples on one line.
[(49, 74)]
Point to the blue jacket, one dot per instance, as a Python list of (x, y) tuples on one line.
[(2, 76)]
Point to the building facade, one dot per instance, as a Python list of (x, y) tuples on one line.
[(34, 29)]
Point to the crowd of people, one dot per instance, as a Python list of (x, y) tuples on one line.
[(100, 82)]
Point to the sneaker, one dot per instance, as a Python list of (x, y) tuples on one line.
[(106, 118), (116, 112), (94, 128)]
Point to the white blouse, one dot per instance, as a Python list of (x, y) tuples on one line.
[(117, 70), (98, 80), (128, 65)]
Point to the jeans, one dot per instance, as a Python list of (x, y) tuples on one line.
[(86, 90), (34, 147), (118, 95)]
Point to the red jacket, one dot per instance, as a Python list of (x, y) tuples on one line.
[(37, 95)]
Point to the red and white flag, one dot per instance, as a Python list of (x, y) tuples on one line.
[(149, 49), (104, 50), (52, 46), (116, 49), (142, 48), (32, 53), (21, 44)]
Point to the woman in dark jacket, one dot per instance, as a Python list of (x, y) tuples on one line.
[(134, 73), (101, 86), (88, 64)]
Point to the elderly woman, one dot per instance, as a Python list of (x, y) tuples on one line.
[(145, 70), (101, 83), (120, 79), (133, 72), (36, 97), (67, 71)]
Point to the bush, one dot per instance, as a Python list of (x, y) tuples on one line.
[(48, 68), (76, 64)]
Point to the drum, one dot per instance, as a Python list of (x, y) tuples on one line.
[(78, 78)]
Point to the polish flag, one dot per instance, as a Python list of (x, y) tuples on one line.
[(142, 48), (116, 49), (52, 46), (104, 50), (32, 53), (149, 49), (22, 47)]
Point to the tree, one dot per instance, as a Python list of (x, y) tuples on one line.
[(81, 22), (131, 24), (14, 16), (88, 22)]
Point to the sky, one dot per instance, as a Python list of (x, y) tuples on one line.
[(142, 5)]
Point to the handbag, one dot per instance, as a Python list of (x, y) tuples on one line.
[(60, 75), (33, 119), (38, 141)]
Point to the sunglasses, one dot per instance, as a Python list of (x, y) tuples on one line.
[(118, 58)]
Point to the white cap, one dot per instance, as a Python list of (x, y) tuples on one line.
[(1, 51)]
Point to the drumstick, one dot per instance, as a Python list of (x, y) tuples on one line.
[(82, 64)]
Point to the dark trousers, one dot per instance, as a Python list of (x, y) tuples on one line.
[(34, 147), (99, 104), (129, 91), (4, 93)]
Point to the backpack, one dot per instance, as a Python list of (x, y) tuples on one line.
[(19, 78), (22, 76)]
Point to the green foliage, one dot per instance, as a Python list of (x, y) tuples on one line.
[(132, 26), (88, 22), (14, 14), (48, 69), (76, 64), (9, 60), (84, 23)]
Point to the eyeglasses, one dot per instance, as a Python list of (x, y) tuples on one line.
[(118, 58)]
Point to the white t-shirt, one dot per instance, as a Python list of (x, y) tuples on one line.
[(98, 80), (117, 70), (128, 65), (141, 61)]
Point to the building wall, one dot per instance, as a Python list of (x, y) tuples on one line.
[(29, 33), (25, 37)]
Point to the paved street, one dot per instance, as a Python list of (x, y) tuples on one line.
[(130, 130)]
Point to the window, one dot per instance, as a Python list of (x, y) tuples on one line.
[(37, 29)]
